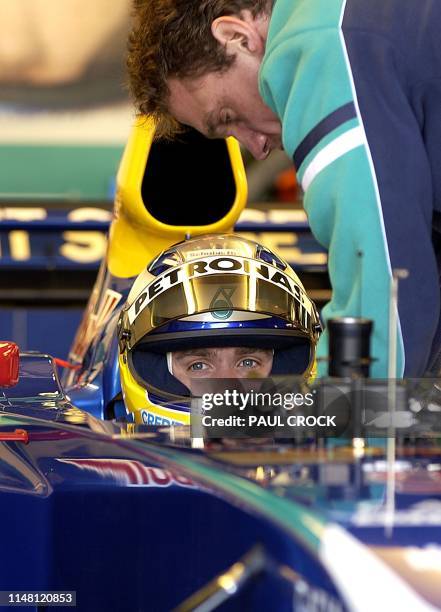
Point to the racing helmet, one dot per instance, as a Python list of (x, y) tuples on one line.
[(218, 290)]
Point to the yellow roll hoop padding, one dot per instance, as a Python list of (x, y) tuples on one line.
[(135, 235)]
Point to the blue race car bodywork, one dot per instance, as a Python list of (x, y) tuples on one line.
[(134, 518)]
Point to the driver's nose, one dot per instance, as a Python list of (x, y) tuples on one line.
[(226, 372)]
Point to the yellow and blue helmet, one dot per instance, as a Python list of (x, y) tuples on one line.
[(216, 290)]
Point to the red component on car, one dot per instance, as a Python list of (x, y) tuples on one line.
[(65, 364), (9, 364), (19, 435)]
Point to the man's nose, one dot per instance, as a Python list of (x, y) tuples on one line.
[(256, 143)]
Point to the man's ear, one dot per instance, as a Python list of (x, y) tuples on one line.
[(238, 34)]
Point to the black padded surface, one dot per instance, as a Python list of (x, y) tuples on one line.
[(189, 181)]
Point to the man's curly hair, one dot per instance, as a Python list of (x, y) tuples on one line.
[(172, 38)]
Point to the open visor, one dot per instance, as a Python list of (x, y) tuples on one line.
[(220, 286)]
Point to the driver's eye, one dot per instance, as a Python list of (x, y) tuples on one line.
[(198, 365), (248, 363)]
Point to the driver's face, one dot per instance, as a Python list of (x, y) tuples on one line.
[(237, 362), (227, 104)]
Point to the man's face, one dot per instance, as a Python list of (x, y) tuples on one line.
[(222, 104), (237, 362)]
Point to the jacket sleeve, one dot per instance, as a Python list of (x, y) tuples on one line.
[(360, 158)]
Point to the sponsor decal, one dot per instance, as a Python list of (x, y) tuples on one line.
[(130, 472), (87, 247), (221, 305), (424, 559), (150, 418), (257, 270), (73, 245), (219, 252), (311, 598), (411, 482), (421, 514)]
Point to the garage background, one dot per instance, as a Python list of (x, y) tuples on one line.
[(64, 120)]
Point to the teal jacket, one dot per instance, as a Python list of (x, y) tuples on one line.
[(357, 87)]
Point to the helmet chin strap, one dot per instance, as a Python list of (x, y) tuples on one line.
[(170, 362)]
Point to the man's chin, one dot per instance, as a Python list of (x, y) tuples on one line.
[(276, 144), (277, 147)]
